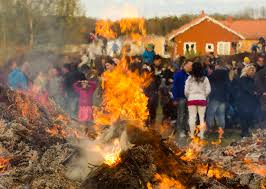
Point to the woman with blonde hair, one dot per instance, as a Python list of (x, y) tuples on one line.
[(246, 99)]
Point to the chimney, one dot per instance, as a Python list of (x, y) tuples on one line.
[(202, 13)]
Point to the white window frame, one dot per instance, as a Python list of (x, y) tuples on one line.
[(225, 52), (190, 43), (207, 49)]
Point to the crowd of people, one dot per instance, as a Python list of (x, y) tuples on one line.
[(195, 95)]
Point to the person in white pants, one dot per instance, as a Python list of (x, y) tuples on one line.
[(197, 89)]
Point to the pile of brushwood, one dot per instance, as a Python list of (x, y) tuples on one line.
[(35, 152), (30, 155), (152, 156)]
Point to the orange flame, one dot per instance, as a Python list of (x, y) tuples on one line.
[(123, 96), (4, 162), (113, 158), (258, 169), (221, 133), (56, 130), (134, 26), (25, 106), (166, 182), (194, 149), (213, 171), (104, 28)]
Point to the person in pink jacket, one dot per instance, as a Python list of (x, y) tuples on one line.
[(85, 90)]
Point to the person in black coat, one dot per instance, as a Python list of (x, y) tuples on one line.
[(247, 103), (218, 98), (152, 91)]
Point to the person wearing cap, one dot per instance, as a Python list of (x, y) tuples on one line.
[(149, 54)]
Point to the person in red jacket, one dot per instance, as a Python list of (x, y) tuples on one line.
[(85, 90)]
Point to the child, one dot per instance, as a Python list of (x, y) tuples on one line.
[(85, 89), (197, 89)]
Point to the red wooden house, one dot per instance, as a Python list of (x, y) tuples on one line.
[(204, 35)]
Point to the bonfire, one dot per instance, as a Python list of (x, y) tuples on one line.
[(43, 148)]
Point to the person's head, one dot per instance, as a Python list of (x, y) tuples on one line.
[(110, 64), (65, 68), (150, 47), (157, 60), (54, 72), (248, 71), (187, 66), (136, 59), (246, 60), (103, 61), (197, 71), (260, 61), (84, 84), (206, 61), (14, 64)]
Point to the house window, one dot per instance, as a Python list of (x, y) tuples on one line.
[(190, 48), (209, 47), (223, 48)]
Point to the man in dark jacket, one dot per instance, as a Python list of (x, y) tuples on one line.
[(152, 91), (260, 82), (179, 98), (220, 82)]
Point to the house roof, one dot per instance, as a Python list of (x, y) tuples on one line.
[(250, 29), (197, 21)]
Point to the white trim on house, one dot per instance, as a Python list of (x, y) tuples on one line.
[(212, 20)]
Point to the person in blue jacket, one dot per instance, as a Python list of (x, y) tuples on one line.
[(179, 98), (149, 54), (16, 79)]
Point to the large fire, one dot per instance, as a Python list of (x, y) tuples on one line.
[(123, 97), (104, 28)]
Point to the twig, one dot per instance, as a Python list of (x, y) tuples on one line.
[(137, 169)]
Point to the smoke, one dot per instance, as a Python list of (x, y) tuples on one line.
[(93, 153)]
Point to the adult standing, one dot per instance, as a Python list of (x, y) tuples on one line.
[(260, 82), (246, 99), (178, 91), (220, 85)]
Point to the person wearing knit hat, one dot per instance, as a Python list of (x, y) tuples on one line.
[(246, 61)]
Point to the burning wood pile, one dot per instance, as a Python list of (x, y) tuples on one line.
[(32, 144), (40, 147)]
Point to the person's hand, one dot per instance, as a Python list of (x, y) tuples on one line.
[(175, 102), (264, 94)]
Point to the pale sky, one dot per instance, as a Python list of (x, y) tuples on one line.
[(115, 9)]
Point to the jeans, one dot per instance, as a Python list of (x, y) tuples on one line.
[(193, 112), (216, 111), (182, 116)]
